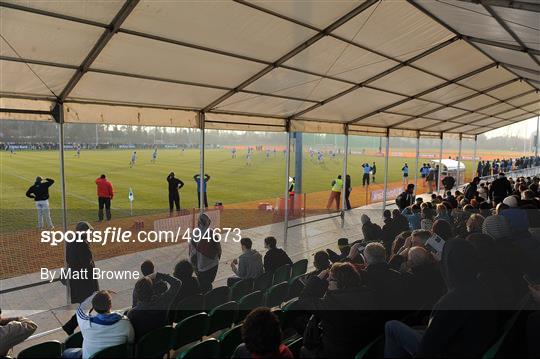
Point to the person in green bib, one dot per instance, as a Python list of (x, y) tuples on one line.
[(335, 193)]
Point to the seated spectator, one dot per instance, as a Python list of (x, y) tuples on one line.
[(451, 199), (104, 330), (274, 257), (517, 217), (474, 223), (485, 209), (389, 231), (399, 241), (401, 223), (321, 262), (147, 268), (183, 271), (343, 245), (412, 214), (457, 317), (418, 238), (152, 308), (442, 213), (14, 331), (385, 282), (427, 218), (443, 229), (423, 281), (346, 313), (248, 265), (371, 231), (261, 334)]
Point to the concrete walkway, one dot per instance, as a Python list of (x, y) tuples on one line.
[(45, 304)]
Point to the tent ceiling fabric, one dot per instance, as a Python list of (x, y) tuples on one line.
[(381, 67)]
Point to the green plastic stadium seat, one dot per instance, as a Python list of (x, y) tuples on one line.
[(282, 274), (295, 347), (299, 268), (277, 294), (73, 341), (264, 281), (206, 349), (296, 286), (157, 343), (229, 340), (494, 349), (222, 317), (241, 288), (215, 297), (247, 303), (186, 308), (50, 349), (365, 350), (118, 351), (190, 330)]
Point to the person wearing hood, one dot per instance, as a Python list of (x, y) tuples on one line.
[(204, 254), (39, 192), (456, 319), (152, 307), (371, 231), (103, 330), (248, 265)]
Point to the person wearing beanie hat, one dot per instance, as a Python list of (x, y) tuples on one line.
[(39, 192), (497, 227), (511, 201)]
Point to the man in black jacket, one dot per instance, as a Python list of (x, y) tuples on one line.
[(500, 189), (39, 192), (274, 257), (457, 318), (174, 197), (471, 190)]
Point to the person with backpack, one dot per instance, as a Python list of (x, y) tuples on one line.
[(406, 198), (204, 254)]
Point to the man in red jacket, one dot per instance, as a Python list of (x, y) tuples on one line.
[(105, 195)]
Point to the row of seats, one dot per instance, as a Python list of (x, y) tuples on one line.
[(212, 314)]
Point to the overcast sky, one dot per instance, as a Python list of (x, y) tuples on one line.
[(521, 129)]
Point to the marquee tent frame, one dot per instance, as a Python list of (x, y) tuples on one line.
[(408, 68)]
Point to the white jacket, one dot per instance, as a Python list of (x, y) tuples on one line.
[(102, 330)]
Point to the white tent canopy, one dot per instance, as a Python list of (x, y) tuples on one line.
[(380, 67)]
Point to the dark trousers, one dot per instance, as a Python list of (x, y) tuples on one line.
[(71, 325), (365, 179), (206, 279), (104, 202), (205, 199), (174, 201), (347, 201)]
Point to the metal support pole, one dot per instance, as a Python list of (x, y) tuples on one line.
[(286, 205), (386, 169), (440, 166), (344, 176), (202, 184), (537, 135), (459, 160), (474, 162), (416, 164), (59, 117)]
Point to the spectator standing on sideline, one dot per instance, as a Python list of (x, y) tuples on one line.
[(105, 195), (197, 179), (204, 254), (373, 171), (104, 330), (274, 257), (365, 178), (405, 171), (174, 197), (39, 192), (79, 258), (14, 331), (335, 193), (248, 265)]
